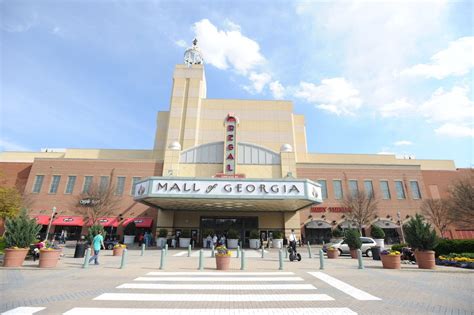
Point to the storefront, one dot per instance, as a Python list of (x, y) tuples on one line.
[(317, 232), (72, 225)]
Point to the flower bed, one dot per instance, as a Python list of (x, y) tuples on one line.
[(465, 260)]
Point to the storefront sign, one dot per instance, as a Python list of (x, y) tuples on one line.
[(88, 202), (230, 144)]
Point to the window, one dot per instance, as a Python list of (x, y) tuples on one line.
[(120, 185), (353, 188), (369, 189), (337, 184), (324, 189), (54, 184), (400, 190), (134, 181), (87, 183), (385, 189), (415, 190), (104, 183), (71, 181), (38, 183)]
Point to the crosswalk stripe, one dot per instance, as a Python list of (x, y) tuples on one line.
[(179, 254), (252, 287), (23, 310), (220, 279), (344, 287), (218, 273), (212, 297), (244, 311)]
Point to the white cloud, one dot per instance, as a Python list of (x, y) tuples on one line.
[(454, 130), (386, 153), (181, 43), (335, 95), (278, 90), (231, 25), (227, 48), (6, 145), (455, 60), (402, 142), (259, 81), (449, 106), (397, 108)]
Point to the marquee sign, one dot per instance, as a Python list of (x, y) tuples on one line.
[(230, 144)]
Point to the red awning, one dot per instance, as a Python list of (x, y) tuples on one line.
[(69, 220), (139, 222), (105, 222), (41, 219)]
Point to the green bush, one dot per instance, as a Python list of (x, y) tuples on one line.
[(377, 232), (337, 233), (254, 235), (2, 244), (185, 234), (21, 231), (446, 247), (94, 230), (163, 233), (352, 239), (207, 232), (277, 235), (232, 234), (419, 234), (398, 247), (130, 229)]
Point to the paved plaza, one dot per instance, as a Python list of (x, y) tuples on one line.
[(180, 288)]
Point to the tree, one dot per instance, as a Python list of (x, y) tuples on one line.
[(462, 203), (10, 202), (438, 212), (361, 207)]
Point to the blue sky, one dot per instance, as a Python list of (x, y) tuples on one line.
[(370, 77)]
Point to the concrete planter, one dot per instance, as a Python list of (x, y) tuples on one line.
[(379, 242), (184, 242), (425, 259), (161, 242), (333, 253), (14, 257), (222, 262), (129, 239), (254, 243), (391, 261), (49, 258), (277, 243), (232, 243)]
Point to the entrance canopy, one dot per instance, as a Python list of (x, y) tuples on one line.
[(42, 219), (226, 194), (386, 224), (318, 224), (69, 220), (139, 222)]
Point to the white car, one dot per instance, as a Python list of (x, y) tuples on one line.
[(343, 248)]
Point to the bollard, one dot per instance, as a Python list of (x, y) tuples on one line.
[(238, 251), (280, 257), (201, 259), (242, 261), (321, 259), (212, 251), (162, 259), (309, 251), (122, 262), (263, 252), (189, 250), (86, 258), (286, 253), (143, 250), (166, 249), (359, 258)]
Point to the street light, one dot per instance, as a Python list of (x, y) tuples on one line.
[(50, 221), (401, 226)]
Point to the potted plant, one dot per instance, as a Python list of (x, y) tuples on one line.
[(161, 240), (49, 257), (277, 241), (232, 238), (352, 239), (185, 238), (254, 239), (222, 257), (390, 259), (118, 249), (378, 235), (337, 233), (129, 233), (422, 238), (20, 232), (332, 252)]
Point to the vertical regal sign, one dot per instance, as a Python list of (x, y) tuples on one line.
[(230, 144)]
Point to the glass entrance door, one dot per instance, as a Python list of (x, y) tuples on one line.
[(221, 225)]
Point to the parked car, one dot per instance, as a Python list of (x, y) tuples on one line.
[(109, 244), (343, 248)]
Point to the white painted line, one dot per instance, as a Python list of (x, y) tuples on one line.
[(232, 311), (180, 254), (212, 297), (220, 279), (252, 287), (23, 310), (344, 287), (218, 273)]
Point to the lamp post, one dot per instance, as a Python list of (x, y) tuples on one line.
[(50, 222), (401, 225)]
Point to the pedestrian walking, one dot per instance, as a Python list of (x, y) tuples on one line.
[(97, 244)]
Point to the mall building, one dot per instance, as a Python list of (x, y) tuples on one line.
[(220, 164)]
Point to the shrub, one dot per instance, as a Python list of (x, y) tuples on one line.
[(254, 235), (337, 233), (207, 232), (94, 230), (185, 234), (398, 247), (446, 247), (232, 234), (277, 235), (163, 233), (21, 231), (2, 244), (419, 235), (352, 238), (376, 232), (130, 229)]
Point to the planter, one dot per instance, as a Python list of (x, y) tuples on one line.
[(14, 257), (254, 243), (277, 243), (379, 242), (184, 242), (129, 239), (118, 251), (49, 258), (425, 259), (354, 253), (232, 243), (333, 254), (222, 262), (161, 242), (391, 261)]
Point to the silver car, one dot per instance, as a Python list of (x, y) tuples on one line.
[(343, 248)]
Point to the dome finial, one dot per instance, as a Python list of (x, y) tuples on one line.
[(192, 55)]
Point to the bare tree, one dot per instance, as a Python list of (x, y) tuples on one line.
[(362, 207), (438, 212), (462, 202)]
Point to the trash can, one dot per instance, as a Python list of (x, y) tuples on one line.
[(375, 252), (80, 250)]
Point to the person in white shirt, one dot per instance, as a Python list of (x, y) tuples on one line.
[(292, 239)]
